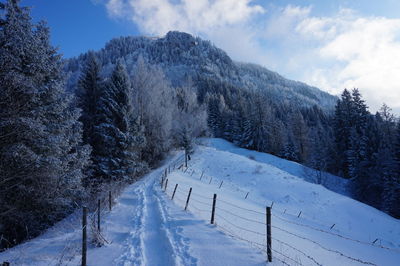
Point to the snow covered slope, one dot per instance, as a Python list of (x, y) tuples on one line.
[(334, 183), (311, 225)]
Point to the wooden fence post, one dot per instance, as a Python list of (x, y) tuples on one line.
[(269, 235), (162, 182), (186, 159), (173, 194), (109, 200), (201, 174), (166, 184), (188, 198), (213, 208), (98, 215), (210, 180), (220, 185), (246, 195), (84, 235)]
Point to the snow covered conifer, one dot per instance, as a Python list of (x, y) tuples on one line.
[(117, 137), (41, 157), (89, 89), (342, 126)]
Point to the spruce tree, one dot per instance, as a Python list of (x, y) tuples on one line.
[(127, 122), (392, 188), (117, 136), (342, 124), (41, 157), (89, 91), (215, 105)]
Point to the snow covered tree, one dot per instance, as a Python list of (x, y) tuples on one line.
[(289, 150), (216, 106), (300, 134), (41, 157), (117, 140), (358, 157), (190, 118), (260, 124), (393, 198), (319, 150), (89, 90), (342, 130), (154, 99), (388, 163), (397, 150)]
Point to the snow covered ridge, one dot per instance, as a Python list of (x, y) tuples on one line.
[(146, 227), (181, 55)]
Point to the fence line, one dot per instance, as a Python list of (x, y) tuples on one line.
[(194, 200), (241, 217), (233, 205), (200, 210), (323, 247), (374, 244), (201, 202), (260, 246), (287, 257), (239, 227), (335, 234), (296, 249)]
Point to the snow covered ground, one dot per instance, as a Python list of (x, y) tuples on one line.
[(146, 227)]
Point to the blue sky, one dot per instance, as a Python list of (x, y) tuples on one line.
[(333, 44)]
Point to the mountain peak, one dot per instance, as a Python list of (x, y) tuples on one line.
[(181, 55)]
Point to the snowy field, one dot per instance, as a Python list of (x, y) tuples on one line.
[(311, 225)]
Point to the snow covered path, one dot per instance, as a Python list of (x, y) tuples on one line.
[(164, 234), (144, 228), (157, 245)]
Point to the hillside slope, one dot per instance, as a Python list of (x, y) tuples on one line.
[(182, 55), (311, 225)]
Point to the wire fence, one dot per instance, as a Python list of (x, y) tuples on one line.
[(250, 225), (296, 214)]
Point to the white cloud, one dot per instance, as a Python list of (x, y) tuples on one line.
[(370, 52), (200, 16), (344, 50), (227, 23), (115, 7)]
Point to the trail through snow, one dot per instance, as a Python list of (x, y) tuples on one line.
[(156, 242), (144, 228)]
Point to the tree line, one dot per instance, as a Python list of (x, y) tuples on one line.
[(349, 142)]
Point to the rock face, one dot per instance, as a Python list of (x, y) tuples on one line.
[(182, 55)]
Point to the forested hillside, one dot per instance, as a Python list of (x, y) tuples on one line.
[(180, 56)]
